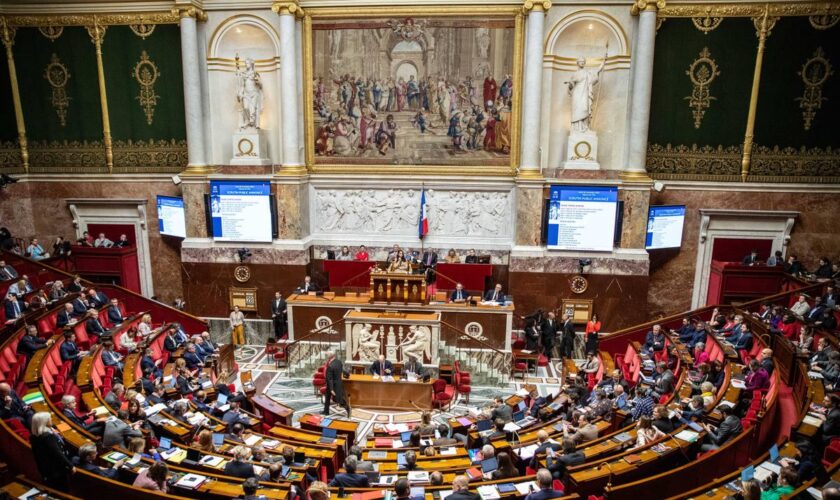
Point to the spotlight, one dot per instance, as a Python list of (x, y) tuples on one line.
[(243, 254), (5, 180), (583, 263)]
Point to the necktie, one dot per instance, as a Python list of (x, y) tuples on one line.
[(429, 260)]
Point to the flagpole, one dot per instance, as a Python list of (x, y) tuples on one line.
[(422, 210)]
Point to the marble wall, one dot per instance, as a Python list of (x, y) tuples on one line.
[(672, 271), (39, 209)]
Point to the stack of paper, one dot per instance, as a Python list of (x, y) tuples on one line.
[(191, 481), (527, 452), (687, 436), (152, 410), (488, 492), (211, 460), (270, 444), (811, 420), (526, 488), (377, 455), (418, 476), (252, 439), (445, 452)]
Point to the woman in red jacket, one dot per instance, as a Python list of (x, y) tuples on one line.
[(593, 326)]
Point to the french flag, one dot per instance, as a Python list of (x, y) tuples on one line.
[(423, 226)]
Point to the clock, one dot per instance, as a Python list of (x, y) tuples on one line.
[(578, 284), (242, 274)]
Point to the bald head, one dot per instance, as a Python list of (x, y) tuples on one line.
[(460, 483)]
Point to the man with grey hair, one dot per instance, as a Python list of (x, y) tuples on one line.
[(545, 483), (87, 461), (461, 489), (335, 385), (349, 478), (68, 409)]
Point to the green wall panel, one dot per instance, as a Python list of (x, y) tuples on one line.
[(74, 49), (732, 45), (8, 126), (779, 120), (121, 52)]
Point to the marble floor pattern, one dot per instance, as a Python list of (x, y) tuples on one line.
[(298, 393)]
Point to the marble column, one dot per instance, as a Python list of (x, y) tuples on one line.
[(642, 83), (529, 162), (197, 161), (289, 82)]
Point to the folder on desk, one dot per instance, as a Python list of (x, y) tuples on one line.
[(377, 455), (383, 442), (191, 481), (488, 492), (465, 421), (418, 476)]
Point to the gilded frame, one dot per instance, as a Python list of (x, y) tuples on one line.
[(326, 13)]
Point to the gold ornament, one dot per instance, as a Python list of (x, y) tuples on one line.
[(143, 30), (702, 73), (146, 73), (57, 75), (707, 23), (815, 72), (51, 32), (824, 21)]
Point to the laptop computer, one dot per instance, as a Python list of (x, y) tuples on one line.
[(489, 465), (373, 477), (221, 400), (774, 453), (747, 473), (193, 454), (300, 459), (218, 439), (483, 425), (521, 405), (165, 443), (518, 416), (284, 471), (401, 461), (405, 437), (328, 436)]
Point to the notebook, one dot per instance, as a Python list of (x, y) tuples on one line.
[(328, 436)]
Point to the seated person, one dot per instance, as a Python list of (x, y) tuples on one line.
[(87, 461), (31, 342), (382, 367), (110, 357), (68, 350), (729, 428), (239, 466), (495, 295), (655, 340), (14, 307), (192, 358), (452, 257), (114, 399), (153, 477), (414, 366), (93, 327), (63, 318), (96, 299), (102, 241), (362, 254), (571, 456), (349, 478), (410, 461), (123, 241), (127, 339), (308, 286), (148, 362), (344, 254), (459, 294), (235, 415), (11, 406), (545, 481), (7, 271), (398, 264), (86, 422), (471, 257)]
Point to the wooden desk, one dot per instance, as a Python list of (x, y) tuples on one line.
[(280, 412), (397, 287), (346, 428), (365, 391)]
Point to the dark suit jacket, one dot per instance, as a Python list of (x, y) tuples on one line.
[(463, 295), (69, 351), (665, 382), (98, 301), (333, 377), (350, 480), (10, 309), (549, 332), (79, 307), (50, 457), (117, 433), (413, 367), (426, 256), (94, 327), (278, 307), (544, 494), (569, 331), (463, 495), (731, 426), (110, 358), (63, 319), (378, 368), (16, 409), (29, 344), (831, 426), (312, 287), (237, 468), (192, 359), (147, 362), (170, 344), (500, 298), (114, 315), (532, 338), (99, 471)]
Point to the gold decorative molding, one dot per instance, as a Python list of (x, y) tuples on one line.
[(824, 21), (165, 156), (814, 73), (190, 11), (66, 156), (693, 160), (8, 37), (10, 158), (708, 23), (51, 32), (640, 5), (537, 5), (634, 176), (702, 72), (97, 36), (747, 9), (146, 73), (143, 30), (288, 9), (659, 21), (57, 75), (167, 17), (769, 22)]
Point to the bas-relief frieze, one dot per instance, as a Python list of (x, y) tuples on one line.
[(474, 214)]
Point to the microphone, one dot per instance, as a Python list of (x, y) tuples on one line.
[(609, 476)]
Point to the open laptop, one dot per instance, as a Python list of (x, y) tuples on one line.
[(401, 461), (373, 477), (218, 439), (521, 405), (165, 443), (328, 436), (489, 465), (483, 425), (221, 400), (522, 419), (405, 437), (300, 459)]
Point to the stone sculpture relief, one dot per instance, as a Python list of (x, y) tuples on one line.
[(397, 342), (395, 211)]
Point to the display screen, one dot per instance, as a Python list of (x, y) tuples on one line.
[(170, 213), (582, 218), (665, 227), (241, 210)]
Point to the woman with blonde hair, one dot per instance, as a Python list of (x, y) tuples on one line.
[(48, 450), (204, 441), (144, 329), (452, 257), (318, 491)]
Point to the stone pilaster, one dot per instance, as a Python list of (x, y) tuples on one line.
[(529, 163)]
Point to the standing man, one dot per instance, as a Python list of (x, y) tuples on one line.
[(237, 326), (335, 386), (429, 261), (548, 330), (278, 314), (568, 336)]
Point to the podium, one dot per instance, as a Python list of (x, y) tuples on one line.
[(397, 288)]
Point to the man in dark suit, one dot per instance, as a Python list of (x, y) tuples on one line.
[(461, 489), (112, 358), (169, 343), (767, 360), (147, 362), (830, 297), (80, 307), (96, 299), (729, 428), (335, 386), (382, 367), (93, 327), (87, 461), (69, 351), (751, 259), (65, 317), (545, 482), (11, 406), (548, 331), (459, 294), (830, 428), (495, 295), (501, 411), (543, 445), (234, 415), (14, 307), (31, 342), (414, 366), (429, 261), (114, 314), (68, 409), (571, 456), (568, 336), (744, 339), (350, 479), (308, 286), (278, 315), (816, 312), (664, 379), (192, 358), (7, 272)]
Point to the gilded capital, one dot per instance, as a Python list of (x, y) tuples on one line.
[(189, 11), (536, 5), (7, 33), (287, 9), (640, 5)]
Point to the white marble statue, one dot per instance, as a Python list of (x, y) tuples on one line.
[(417, 344), (582, 90), (482, 38), (369, 344), (249, 95)]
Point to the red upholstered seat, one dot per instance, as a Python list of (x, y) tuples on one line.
[(518, 344), (831, 453), (18, 428), (462, 385), (542, 360), (279, 358)]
